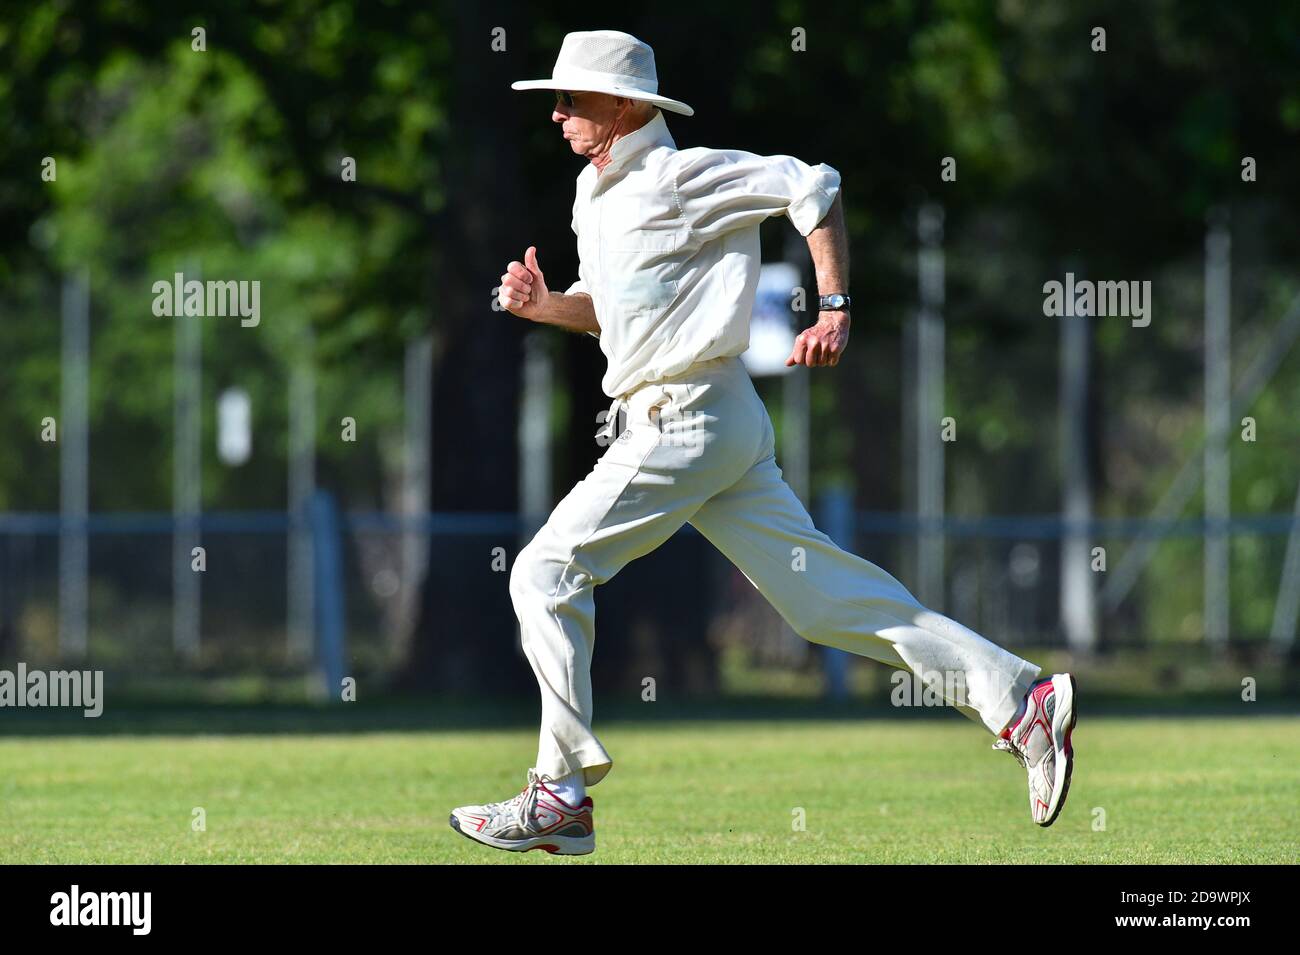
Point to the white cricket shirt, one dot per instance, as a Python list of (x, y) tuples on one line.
[(668, 247)]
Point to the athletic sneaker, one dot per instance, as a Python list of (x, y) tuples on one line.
[(1040, 740), (535, 819)]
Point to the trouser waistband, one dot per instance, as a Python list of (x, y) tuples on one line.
[(696, 371)]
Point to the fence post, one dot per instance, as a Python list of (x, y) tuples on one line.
[(1287, 609), (1078, 613), (187, 475), (1218, 422), (929, 407), (302, 484), (74, 468), (327, 547), (836, 513)]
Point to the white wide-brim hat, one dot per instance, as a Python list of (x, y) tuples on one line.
[(606, 61)]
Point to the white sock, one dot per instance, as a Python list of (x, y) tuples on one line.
[(572, 789)]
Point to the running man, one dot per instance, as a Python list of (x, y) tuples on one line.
[(668, 243)]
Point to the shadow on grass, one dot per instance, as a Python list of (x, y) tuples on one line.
[(139, 717)]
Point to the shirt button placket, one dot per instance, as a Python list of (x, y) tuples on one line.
[(600, 237)]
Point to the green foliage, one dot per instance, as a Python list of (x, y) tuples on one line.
[(228, 162)]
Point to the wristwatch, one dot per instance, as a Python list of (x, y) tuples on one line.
[(833, 303)]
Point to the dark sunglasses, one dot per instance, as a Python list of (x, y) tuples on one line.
[(563, 98)]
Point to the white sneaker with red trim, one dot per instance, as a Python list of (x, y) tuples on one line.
[(1040, 740), (535, 819)]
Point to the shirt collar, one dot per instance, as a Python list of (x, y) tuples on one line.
[(653, 133)]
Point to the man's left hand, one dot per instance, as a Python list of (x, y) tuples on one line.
[(823, 343)]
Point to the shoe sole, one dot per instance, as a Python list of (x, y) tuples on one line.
[(1062, 743), (554, 845)]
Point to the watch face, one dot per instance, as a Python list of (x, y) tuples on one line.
[(835, 301)]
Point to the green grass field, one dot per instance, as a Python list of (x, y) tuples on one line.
[(1197, 789)]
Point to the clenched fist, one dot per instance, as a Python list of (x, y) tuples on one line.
[(821, 344), (523, 287)]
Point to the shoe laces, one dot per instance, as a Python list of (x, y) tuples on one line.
[(1009, 747), (522, 807)]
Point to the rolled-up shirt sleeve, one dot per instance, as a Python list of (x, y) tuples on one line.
[(580, 286), (720, 190)]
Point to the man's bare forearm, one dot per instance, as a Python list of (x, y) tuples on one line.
[(574, 313), (829, 245), (823, 342)]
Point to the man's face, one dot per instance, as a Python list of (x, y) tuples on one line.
[(591, 121)]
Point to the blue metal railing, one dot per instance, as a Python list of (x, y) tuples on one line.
[(1006, 527)]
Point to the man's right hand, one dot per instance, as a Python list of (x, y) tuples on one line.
[(523, 287)]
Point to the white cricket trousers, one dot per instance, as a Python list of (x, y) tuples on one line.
[(699, 448)]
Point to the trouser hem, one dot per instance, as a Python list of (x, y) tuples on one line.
[(593, 762), (999, 718)]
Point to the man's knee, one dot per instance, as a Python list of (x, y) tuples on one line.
[(523, 576), (536, 578)]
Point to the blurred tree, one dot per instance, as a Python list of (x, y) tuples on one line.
[(232, 158)]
